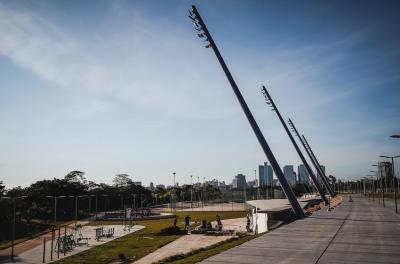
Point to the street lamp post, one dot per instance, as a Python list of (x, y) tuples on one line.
[(372, 186), (376, 187), (381, 183), (395, 189), (55, 206), (105, 201), (90, 204), (174, 193), (76, 205), (191, 191)]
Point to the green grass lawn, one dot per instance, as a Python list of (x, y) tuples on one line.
[(143, 242)]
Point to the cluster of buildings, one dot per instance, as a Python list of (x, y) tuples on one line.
[(266, 177)]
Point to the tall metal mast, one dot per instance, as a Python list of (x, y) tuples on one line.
[(320, 171), (204, 33), (271, 102), (326, 184)]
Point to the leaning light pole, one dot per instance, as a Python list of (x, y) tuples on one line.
[(321, 172), (317, 167), (271, 102), (203, 32)]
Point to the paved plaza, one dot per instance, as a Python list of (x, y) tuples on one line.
[(361, 231)]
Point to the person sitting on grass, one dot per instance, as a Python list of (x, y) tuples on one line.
[(219, 223), (187, 222), (209, 226)]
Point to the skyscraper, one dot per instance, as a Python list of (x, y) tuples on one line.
[(304, 176), (289, 174), (319, 177), (239, 182), (385, 169), (265, 174)]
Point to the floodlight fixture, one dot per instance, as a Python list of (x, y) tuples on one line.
[(395, 136)]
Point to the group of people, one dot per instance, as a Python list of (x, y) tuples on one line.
[(209, 226)]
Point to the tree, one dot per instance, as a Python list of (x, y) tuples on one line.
[(76, 176), (2, 188), (122, 180)]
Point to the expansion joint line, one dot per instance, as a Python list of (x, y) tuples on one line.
[(334, 236)]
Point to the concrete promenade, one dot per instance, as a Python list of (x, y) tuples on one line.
[(361, 231)]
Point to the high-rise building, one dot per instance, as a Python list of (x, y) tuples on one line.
[(323, 170), (160, 186), (265, 175), (319, 177), (304, 176), (239, 182), (385, 169), (289, 175)]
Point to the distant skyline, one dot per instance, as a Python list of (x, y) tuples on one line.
[(110, 87)]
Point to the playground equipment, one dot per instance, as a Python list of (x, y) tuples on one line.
[(80, 238), (100, 232), (128, 227), (65, 243)]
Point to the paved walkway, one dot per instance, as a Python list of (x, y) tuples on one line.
[(355, 232), (187, 243), (182, 245)]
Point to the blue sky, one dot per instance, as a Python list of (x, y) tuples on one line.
[(111, 87)]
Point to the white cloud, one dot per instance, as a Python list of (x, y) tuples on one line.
[(145, 65)]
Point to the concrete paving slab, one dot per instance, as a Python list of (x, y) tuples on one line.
[(355, 232)]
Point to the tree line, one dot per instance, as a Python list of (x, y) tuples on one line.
[(35, 211)]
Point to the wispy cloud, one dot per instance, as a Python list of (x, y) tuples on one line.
[(148, 67)]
